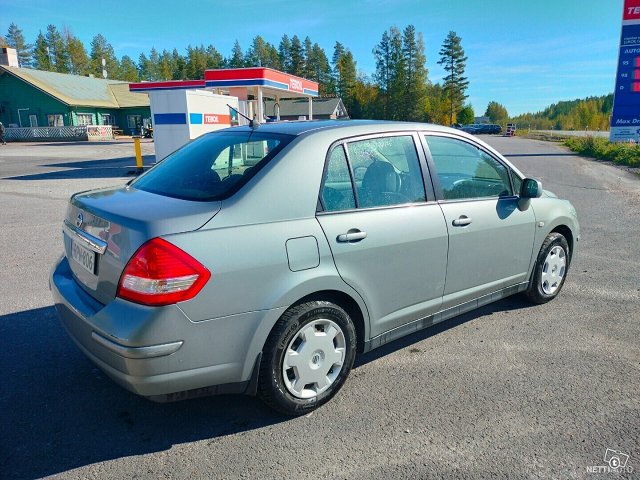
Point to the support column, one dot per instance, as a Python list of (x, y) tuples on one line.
[(310, 108), (260, 108)]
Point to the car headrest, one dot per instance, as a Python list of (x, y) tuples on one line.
[(381, 177)]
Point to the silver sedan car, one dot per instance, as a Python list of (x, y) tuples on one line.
[(261, 260)]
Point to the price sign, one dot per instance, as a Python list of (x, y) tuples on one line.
[(625, 120)]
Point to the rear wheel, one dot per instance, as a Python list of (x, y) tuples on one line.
[(307, 357), (550, 270)]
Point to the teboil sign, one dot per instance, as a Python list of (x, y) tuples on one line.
[(625, 120)]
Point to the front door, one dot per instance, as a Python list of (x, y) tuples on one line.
[(490, 238), (388, 242)]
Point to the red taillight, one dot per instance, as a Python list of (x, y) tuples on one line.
[(159, 273)]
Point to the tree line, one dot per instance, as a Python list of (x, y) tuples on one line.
[(591, 113), (399, 89)]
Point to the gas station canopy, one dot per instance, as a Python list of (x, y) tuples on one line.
[(271, 81), (242, 82)]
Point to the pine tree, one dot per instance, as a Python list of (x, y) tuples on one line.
[(79, 63), (237, 58), (128, 70), (284, 54), (390, 74), (320, 71), (338, 51), (453, 60), (143, 67), (214, 58), (309, 60), (165, 66), (382, 53), (257, 54), (415, 75), (153, 66), (41, 59), (57, 49), (297, 57), (15, 39), (101, 48), (179, 65), (273, 58), (196, 62), (347, 75)]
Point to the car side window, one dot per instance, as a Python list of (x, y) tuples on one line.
[(386, 171), (337, 189), (467, 172)]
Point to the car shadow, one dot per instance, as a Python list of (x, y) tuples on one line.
[(105, 168), (505, 305), (60, 412)]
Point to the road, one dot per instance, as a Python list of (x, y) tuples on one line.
[(508, 391)]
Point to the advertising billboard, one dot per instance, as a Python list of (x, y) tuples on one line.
[(625, 120)]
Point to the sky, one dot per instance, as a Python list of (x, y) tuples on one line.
[(524, 54)]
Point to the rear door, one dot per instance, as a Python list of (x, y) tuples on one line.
[(490, 237), (387, 235)]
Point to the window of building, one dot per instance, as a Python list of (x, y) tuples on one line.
[(107, 119), (85, 118), (33, 120), (55, 120), (134, 120)]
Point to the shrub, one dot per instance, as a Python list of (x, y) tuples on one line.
[(601, 148)]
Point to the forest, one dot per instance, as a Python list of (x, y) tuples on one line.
[(592, 113), (399, 89)]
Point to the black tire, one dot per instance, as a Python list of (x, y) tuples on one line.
[(271, 383), (535, 291)]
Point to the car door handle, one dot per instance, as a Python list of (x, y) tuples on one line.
[(353, 235), (462, 221)]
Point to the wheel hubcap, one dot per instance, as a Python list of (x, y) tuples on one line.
[(314, 358), (553, 270)]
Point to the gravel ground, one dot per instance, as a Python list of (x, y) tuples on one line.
[(508, 391)]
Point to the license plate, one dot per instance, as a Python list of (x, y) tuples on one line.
[(83, 256)]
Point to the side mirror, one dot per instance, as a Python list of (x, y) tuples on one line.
[(531, 188)]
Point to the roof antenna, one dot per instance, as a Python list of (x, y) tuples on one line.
[(252, 123)]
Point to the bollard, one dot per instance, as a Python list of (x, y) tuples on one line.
[(136, 146)]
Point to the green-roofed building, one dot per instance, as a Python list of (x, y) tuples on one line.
[(35, 98)]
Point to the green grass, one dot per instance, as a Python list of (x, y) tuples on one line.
[(621, 153)]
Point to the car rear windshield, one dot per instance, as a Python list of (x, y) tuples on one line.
[(212, 167)]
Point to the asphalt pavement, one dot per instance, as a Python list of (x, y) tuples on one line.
[(508, 391)]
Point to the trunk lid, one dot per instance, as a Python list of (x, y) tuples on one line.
[(104, 228)]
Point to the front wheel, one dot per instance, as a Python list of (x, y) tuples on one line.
[(307, 357), (550, 270)]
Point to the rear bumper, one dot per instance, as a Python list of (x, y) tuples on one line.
[(155, 351)]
